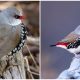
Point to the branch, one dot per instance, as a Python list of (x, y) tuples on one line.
[(12, 67)]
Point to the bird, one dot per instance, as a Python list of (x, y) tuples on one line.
[(71, 42), (13, 32)]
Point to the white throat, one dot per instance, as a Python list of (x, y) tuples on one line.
[(14, 22)]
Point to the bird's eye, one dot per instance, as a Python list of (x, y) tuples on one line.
[(17, 16)]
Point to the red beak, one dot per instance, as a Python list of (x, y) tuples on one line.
[(21, 17)]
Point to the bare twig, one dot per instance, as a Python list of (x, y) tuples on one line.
[(28, 68), (32, 57)]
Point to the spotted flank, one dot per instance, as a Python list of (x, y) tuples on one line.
[(74, 44), (22, 40)]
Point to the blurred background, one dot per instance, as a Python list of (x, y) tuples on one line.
[(30, 10), (58, 18)]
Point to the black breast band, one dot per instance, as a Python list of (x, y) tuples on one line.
[(22, 39)]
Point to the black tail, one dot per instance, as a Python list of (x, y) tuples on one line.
[(52, 45)]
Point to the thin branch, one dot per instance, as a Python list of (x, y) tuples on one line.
[(32, 57), (28, 68)]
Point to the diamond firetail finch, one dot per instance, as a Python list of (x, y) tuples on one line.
[(71, 42), (12, 31)]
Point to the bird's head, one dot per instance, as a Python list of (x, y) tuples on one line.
[(13, 16)]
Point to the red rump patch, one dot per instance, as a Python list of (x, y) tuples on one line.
[(62, 43)]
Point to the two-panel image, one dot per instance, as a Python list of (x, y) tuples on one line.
[(39, 39)]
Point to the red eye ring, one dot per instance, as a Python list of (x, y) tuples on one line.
[(19, 17)]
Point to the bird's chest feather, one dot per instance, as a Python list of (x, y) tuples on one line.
[(8, 40)]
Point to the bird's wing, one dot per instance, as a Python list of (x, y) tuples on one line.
[(9, 38), (70, 38)]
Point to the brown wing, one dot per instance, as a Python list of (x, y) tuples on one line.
[(70, 38)]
